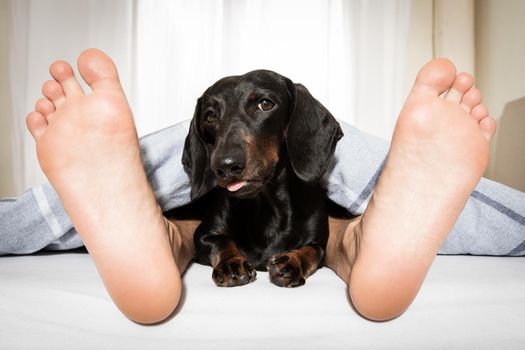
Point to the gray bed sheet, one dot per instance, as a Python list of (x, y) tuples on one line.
[(57, 301)]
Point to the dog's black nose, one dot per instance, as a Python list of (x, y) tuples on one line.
[(229, 167)]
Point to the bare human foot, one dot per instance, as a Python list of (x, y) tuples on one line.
[(87, 146), (438, 153)]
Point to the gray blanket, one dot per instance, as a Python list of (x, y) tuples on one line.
[(492, 223)]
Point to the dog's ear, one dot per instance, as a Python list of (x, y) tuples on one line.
[(312, 135), (195, 159)]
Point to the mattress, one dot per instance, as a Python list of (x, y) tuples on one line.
[(57, 301)]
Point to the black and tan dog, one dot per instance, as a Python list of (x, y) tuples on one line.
[(260, 144)]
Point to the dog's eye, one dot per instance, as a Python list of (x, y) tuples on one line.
[(265, 105), (210, 117)]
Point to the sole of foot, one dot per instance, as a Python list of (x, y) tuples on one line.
[(438, 153), (88, 148)]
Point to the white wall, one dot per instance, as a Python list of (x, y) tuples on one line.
[(6, 176), (419, 42), (500, 69), (485, 37)]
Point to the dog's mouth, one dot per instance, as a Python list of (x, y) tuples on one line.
[(236, 185), (243, 188), (247, 185)]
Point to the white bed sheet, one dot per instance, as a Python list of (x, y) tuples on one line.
[(57, 301)]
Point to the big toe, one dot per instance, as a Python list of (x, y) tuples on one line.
[(98, 70), (436, 77)]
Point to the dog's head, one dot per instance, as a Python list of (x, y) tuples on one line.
[(240, 125)]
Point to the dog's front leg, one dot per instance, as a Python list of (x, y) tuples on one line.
[(230, 268), (292, 268)]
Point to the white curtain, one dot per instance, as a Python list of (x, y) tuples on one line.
[(349, 54), (41, 31)]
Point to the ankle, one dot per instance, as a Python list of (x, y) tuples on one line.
[(343, 246), (180, 235)]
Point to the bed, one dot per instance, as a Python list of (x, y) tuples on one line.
[(57, 301)]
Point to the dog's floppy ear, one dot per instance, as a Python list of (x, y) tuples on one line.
[(195, 159), (312, 135)]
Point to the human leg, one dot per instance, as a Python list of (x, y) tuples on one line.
[(88, 148), (29, 223), (36, 219), (492, 222)]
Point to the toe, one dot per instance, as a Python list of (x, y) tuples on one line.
[(63, 73), (461, 85), (37, 124), (471, 99), (488, 127), (98, 70), (479, 112), (53, 91), (436, 77), (44, 107)]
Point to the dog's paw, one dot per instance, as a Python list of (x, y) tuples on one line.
[(285, 270), (233, 272)]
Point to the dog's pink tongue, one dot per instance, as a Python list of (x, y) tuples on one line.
[(236, 186)]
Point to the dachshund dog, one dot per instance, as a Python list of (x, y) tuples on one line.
[(258, 146)]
